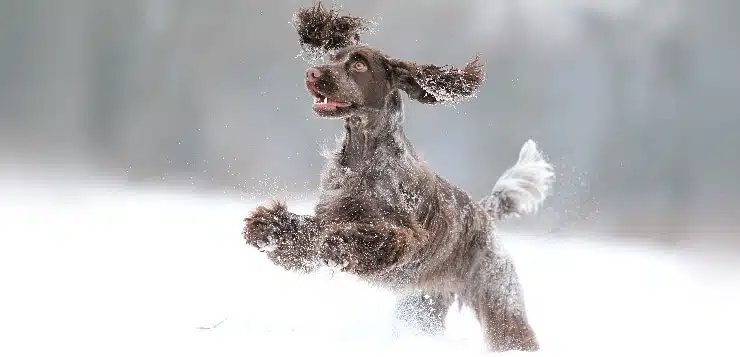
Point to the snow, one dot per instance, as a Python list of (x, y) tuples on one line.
[(109, 272)]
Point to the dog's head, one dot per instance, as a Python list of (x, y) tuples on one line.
[(357, 79)]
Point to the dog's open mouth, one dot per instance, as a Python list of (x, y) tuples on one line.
[(325, 104), (322, 103)]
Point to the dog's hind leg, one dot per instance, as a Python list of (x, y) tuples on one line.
[(498, 303), (423, 313), (290, 241)]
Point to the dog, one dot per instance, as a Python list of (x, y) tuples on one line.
[(383, 214)]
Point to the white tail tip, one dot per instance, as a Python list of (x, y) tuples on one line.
[(522, 188)]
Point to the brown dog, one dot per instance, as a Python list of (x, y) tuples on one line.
[(383, 214)]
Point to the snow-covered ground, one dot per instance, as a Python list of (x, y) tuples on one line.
[(108, 272)]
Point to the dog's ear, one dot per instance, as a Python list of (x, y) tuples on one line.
[(321, 30), (431, 84)]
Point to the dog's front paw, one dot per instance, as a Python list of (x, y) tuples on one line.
[(336, 254), (264, 226), (289, 240), (362, 249)]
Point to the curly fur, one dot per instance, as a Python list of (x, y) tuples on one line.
[(385, 216), (322, 30), (289, 240), (433, 84), (448, 84)]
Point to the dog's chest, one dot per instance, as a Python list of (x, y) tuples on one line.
[(387, 185)]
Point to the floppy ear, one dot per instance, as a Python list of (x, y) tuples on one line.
[(431, 84), (322, 30)]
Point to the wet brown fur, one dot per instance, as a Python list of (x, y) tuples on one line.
[(387, 217), (322, 30)]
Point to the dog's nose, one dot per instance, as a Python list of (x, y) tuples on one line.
[(313, 74)]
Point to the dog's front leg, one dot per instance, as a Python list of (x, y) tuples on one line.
[(362, 248), (291, 241)]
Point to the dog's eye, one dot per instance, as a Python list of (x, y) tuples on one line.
[(359, 66)]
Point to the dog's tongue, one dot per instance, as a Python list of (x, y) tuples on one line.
[(330, 105)]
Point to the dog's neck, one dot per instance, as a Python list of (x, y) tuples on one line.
[(376, 135)]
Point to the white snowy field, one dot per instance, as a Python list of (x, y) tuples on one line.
[(109, 272)]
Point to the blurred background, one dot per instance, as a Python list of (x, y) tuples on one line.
[(637, 103)]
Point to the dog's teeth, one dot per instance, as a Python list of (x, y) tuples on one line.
[(326, 100)]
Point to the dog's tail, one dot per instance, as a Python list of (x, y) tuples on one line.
[(523, 187)]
